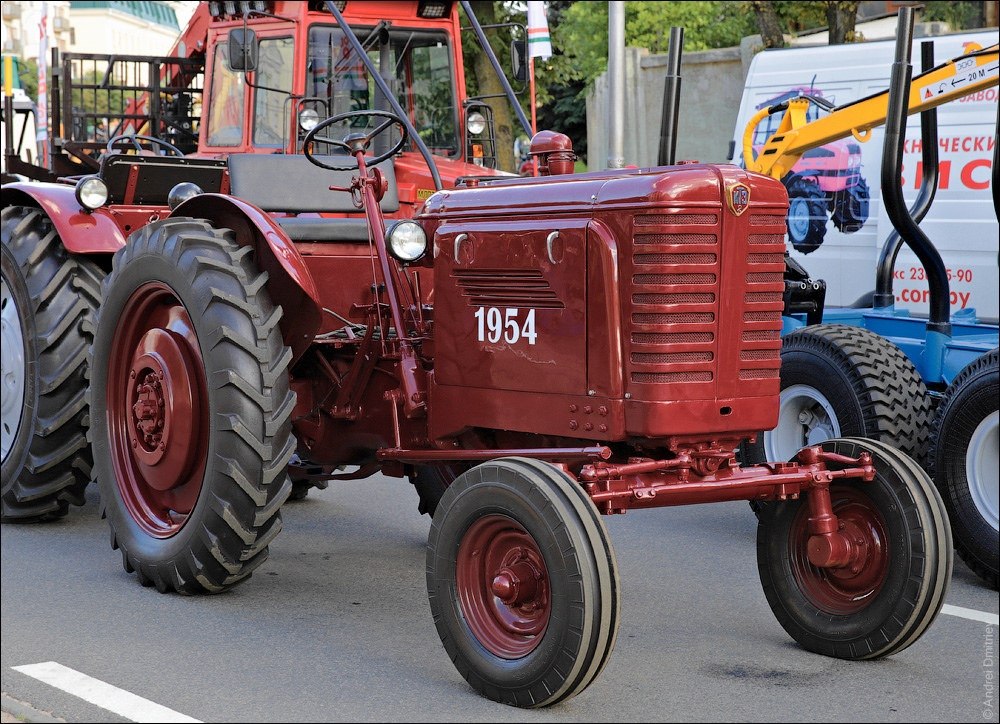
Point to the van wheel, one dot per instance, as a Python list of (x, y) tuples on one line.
[(48, 304), (806, 214)]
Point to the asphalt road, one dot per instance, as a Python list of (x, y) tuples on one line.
[(336, 627)]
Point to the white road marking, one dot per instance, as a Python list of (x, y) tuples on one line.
[(118, 701), (971, 614)]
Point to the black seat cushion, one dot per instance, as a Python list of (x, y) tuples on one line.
[(313, 229)]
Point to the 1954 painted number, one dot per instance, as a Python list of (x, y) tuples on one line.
[(495, 324)]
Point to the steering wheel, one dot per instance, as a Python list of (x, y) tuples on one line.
[(354, 141), (116, 140)]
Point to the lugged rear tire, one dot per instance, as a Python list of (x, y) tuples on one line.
[(192, 493), (49, 301)]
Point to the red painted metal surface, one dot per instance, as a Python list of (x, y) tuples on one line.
[(503, 586), (290, 283), (157, 410), (99, 232), (656, 278), (711, 474), (844, 579), (597, 452)]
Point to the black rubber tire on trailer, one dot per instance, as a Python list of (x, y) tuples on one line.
[(851, 208), (237, 432), (883, 602), (851, 383), (965, 432), (807, 214), (562, 637), (50, 298)]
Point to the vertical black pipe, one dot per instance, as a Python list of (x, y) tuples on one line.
[(884, 296), (892, 193), (488, 49), (671, 99)]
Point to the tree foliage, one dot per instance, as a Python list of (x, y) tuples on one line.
[(959, 15)]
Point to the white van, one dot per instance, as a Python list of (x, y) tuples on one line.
[(837, 225)]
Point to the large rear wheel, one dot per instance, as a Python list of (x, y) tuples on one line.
[(523, 583), (48, 300), (886, 596), (191, 431)]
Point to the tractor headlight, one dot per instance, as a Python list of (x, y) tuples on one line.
[(308, 118), (476, 123), (407, 241), (91, 192)]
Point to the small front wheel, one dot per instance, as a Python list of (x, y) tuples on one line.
[(523, 583), (894, 585)]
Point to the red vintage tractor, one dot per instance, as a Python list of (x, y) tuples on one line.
[(534, 352), (597, 343)]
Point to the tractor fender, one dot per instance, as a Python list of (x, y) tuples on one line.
[(290, 283), (80, 232)]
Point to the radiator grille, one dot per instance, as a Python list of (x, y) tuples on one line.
[(674, 219), (524, 288), (645, 239), (662, 378), (760, 341), (671, 357), (675, 278), (676, 345), (675, 259), (681, 298), (671, 337)]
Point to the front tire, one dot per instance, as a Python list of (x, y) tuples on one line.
[(522, 582), (192, 408), (49, 300), (964, 463), (894, 586)]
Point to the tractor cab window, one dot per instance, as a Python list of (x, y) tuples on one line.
[(417, 66), (225, 108), (273, 79)]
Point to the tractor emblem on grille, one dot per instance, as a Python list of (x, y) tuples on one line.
[(738, 198)]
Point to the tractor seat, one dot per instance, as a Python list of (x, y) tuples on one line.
[(291, 184)]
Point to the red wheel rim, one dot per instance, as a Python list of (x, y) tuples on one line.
[(157, 414), (849, 589), (503, 586)]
